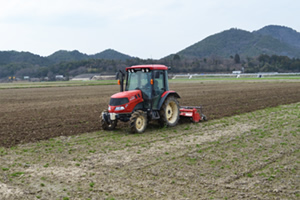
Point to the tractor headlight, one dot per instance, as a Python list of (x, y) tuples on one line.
[(109, 108), (119, 108)]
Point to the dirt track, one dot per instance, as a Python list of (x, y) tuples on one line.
[(33, 114)]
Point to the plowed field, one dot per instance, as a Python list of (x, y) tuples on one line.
[(32, 114), (245, 156)]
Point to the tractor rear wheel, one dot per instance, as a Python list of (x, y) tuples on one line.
[(169, 112), (107, 125), (138, 121)]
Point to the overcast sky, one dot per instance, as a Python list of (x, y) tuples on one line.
[(140, 28)]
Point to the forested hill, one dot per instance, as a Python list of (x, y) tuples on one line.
[(281, 33), (67, 63), (8, 57), (65, 56), (111, 54), (12, 57), (270, 49), (270, 40)]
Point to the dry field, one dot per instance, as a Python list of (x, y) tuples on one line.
[(246, 150), (33, 114)]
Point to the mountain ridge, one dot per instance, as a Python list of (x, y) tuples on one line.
[(268, 40), (7, 57), (282, 33)]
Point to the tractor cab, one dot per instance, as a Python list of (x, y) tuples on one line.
[(152, 81)]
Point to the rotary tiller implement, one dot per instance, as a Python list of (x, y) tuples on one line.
[(192, 113)]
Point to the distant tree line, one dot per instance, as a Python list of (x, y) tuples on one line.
[(213, 64), (274, 63)]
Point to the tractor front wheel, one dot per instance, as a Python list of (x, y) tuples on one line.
[(105, 124), (138, 121), (169, 112)]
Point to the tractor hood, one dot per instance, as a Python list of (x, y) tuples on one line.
[(131, 95), (124, 102)]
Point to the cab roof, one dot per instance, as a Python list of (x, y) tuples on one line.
[(151, 67)]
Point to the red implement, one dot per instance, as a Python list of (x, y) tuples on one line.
[(192, 112)]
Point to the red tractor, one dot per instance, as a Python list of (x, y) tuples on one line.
[(146, 97)]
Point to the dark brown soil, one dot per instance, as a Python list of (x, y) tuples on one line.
[(32, 114)]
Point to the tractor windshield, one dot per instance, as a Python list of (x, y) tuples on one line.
[(139, 80)]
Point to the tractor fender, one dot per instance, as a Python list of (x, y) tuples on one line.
[(138, 106), (165, 95)]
